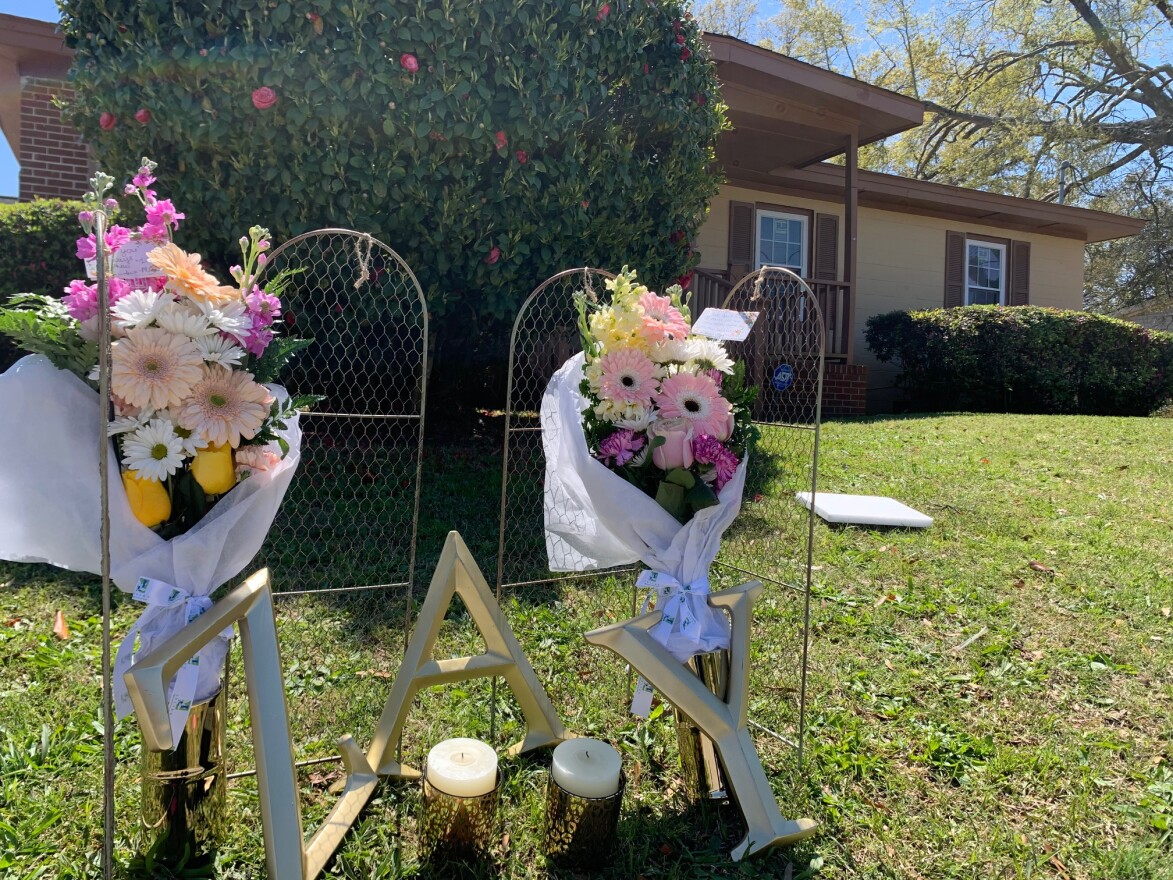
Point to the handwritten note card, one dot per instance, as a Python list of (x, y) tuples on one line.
[(726, 324), (129, 261)]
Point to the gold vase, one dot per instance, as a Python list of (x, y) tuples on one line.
[(184, 792), (700, 766)]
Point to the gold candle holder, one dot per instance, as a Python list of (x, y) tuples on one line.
[(184, 803), (455, 827), (580, 831)]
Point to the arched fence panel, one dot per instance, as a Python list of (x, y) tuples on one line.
[(772, 539), (350, 520)]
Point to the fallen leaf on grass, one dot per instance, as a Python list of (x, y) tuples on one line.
[(60, 627), (889, 597), (1038, 566), (1019, 582), (13, 621), (374, 673), (325, 780), (1164, 612)]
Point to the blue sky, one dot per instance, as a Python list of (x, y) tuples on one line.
[(44, 10)]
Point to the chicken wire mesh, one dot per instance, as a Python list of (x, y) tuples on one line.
[(771, 539), (349, 522)]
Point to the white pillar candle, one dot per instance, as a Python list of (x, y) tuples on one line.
[(587, 768), (463, 767)]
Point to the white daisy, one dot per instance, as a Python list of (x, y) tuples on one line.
[(192, 439), (139, 308), (125, 423), (708, 354), (230, 317), (182, 320), (154, 451), (220, 350)]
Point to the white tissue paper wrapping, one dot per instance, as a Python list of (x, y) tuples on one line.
[(596, 519), (50, 511)]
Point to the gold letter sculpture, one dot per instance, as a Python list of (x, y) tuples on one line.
[(724, 722), (250, 605), (457, 574)]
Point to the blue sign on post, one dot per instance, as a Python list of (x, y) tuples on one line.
[(783, 377)]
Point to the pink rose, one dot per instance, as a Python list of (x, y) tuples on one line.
[(409, 62), (107, 121), (676, 450), (501, 141), (726, 430), (494, 256), (264, 98), (522, 156), (143, 116)]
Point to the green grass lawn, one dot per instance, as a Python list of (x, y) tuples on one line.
[(990, 698)]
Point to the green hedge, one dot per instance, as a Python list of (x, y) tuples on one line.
[(38, 253), (1024, 359), (490, 143)]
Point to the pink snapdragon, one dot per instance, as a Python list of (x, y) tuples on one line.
[(81, 299), (116, 237), (620, 448), (257, 340)]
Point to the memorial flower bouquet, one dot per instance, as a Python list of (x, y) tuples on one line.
[(646, 434), (669, 410), (203, 448)]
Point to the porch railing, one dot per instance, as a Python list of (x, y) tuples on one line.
[(834, 299)]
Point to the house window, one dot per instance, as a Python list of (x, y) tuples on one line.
[(782, 241), (985, 276)]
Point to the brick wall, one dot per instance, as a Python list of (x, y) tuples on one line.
[(54, 163), (845, 388)]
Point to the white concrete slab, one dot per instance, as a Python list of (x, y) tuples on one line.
[(864, 510)]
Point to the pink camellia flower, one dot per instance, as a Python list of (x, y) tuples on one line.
[(604, 11), (680, 39), (143, 116), (107, 121), (501, 140), (676, 450), (685, 54), (494, 256), (264, 98), (645, 67), (620, 448), (522, 156), (409, 62), (685, 281)]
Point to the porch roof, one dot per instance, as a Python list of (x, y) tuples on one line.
[(789, 114)]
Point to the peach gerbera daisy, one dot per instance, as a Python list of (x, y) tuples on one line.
[(224, 406), (154, 368), (187, 277)]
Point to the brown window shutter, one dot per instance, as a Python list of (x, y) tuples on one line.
[(954, 269), (1019, 292), (826, 247), (742, 239)]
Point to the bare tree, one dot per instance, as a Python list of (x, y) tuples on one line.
[(734, 18)]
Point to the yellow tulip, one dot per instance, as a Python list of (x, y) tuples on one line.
[(213, 469), (148, 499)]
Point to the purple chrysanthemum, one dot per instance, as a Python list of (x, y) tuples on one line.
[(710, 450), (620, 447)]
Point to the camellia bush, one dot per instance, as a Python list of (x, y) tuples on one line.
[(490, 143), (1024, 359)]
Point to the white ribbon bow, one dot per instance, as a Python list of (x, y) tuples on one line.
[(170, 608), (688, 625)]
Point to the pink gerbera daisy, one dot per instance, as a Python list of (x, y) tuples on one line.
[(628, 376), (154, 368), (696, 398), (661, 319), (224, 406)]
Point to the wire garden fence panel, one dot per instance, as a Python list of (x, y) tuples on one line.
[(772, 539), (349, 522)]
